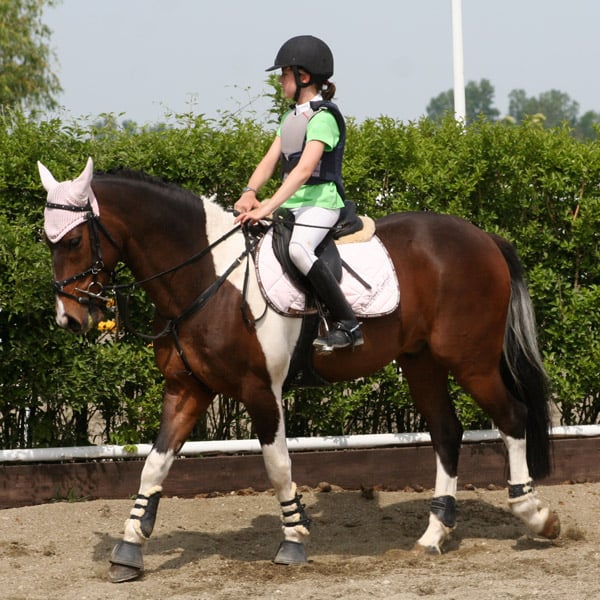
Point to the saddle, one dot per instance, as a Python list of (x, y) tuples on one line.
[(356, 257), (348, 223), (301, 372)]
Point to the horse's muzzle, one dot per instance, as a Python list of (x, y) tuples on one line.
[(75, 323)]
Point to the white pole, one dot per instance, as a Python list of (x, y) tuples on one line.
[(252, 446), (460, 110)]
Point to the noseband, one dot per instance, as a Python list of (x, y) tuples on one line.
[(93, 293)]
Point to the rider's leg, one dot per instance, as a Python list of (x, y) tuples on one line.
[(311, 225), (346, 329), (305, 238)]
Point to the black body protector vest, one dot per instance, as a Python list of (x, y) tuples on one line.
[(293, 140)]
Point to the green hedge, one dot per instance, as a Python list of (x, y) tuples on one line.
[(539, 188)]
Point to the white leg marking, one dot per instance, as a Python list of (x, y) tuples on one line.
[(517, 459), (531, 511), (155, 470), (527, 507), (444, 484), (279, 470), (279, 466), (436, 532)]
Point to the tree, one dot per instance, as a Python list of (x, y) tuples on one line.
[(26, 79), (441, 105), (587, 126), (479, 99), (555, 106)]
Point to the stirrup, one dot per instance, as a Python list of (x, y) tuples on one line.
[(339, 337), (322, 345)]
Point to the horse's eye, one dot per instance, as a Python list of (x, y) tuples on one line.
[(74, 242)]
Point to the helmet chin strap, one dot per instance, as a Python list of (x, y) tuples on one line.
[(299, 84)]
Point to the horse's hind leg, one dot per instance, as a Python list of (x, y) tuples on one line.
[(510, 416), (182, 405), (522, 497), (428, 383)]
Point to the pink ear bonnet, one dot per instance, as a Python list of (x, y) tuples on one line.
[(69, 203)]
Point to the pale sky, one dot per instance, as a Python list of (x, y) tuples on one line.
[(149, 58)]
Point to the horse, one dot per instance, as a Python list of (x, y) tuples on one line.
[(465, 311)]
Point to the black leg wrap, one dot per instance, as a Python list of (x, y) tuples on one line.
[(150, 508), (295, 507), (444, 508), (520, 489)]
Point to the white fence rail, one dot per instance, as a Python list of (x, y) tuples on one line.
[(252, 446)]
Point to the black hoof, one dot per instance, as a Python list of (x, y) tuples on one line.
[(121, 573), (290, 553), (127, 562)]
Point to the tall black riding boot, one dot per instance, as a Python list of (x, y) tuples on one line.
[(346, 329)]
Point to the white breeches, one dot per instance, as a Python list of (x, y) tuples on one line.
[(306, 239)]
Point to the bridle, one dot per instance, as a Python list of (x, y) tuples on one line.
[(93, 293)]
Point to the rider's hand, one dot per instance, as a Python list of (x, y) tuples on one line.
[(246, 202), (254, 215)]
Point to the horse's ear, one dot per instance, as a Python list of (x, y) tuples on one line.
[(87, 173), (47, 178), (82, 183)]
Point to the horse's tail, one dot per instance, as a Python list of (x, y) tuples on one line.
[(522, 367)]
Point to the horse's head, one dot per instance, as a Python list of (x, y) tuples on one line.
[(71, 225)]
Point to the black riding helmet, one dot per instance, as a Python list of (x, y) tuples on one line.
[(308, 53)]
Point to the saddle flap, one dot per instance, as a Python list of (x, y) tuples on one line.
[(369, 260)]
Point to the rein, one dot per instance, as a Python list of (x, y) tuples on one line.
[(122, 300), (172, 323), (198, 303), (95, 293)]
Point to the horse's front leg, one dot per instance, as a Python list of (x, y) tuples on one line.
[(268, 418), (442, 511), (428, 382), (183, 402)]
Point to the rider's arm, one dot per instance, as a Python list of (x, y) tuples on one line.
[(263, 172), (298, 176)]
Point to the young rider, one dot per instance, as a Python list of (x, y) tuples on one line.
[(310, 146)]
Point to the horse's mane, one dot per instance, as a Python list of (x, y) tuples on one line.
[(173, 189)]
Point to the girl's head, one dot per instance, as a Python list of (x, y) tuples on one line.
[(310, 62)]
